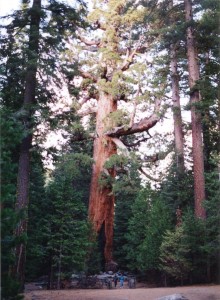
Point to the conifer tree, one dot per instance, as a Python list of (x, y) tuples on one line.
[(175, 255), (175, 78), (145, 230), (42, 30), (198, 159), (24, 158)]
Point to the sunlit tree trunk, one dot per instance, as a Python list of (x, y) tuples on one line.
[(24, 156), (177, 118), (197, 142)]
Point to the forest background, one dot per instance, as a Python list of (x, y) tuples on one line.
[(110, 198)]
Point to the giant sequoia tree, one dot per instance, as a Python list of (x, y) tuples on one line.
[(112, 68)]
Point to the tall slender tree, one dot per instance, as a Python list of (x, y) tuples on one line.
[(197, 143), (24, 157), (177, 117)]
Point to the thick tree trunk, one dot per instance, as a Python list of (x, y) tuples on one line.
[(197, 143), (24, 157), (177, 118), (101, 203)]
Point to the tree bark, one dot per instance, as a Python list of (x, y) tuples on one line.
[(177, 117), (197, 142), (24, 156), (101, 203), (102, 199)]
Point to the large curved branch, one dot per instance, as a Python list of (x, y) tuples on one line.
[(141, 126)]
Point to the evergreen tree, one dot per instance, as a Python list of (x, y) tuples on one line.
[(27, 42), (174, 254), (193, 69), (37, 214), (11, 133), (126, 187), (146, 231), (58, 226)]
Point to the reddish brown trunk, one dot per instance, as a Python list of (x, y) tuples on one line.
[(24, 157), (198, 163), (101, 203), (178, 132)]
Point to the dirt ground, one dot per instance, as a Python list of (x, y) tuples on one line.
[(207, 292)]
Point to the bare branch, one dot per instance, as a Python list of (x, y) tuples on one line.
[(90, 48), (149, 176), (88, 111), (88, 42), (135, 107), (128, 60), (130, 56), (86, 98), (121, 146)]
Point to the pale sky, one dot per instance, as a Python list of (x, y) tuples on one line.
[(7, 6)]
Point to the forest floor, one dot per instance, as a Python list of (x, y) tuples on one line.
[(196, 292)]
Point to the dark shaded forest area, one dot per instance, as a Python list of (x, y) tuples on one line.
[(110, 141)]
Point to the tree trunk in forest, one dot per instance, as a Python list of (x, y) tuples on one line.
[(177, 118), (197, 142), (24, 156), (101, 203)]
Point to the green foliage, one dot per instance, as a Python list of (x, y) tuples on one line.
[(125, 187), (59, 233), (10, 288), (146, 230), (67, 228), (174, 255), (177, 190), (196, 238), (10, 138), (116, 119)]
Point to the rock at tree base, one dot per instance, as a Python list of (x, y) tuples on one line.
[(173, 297)]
